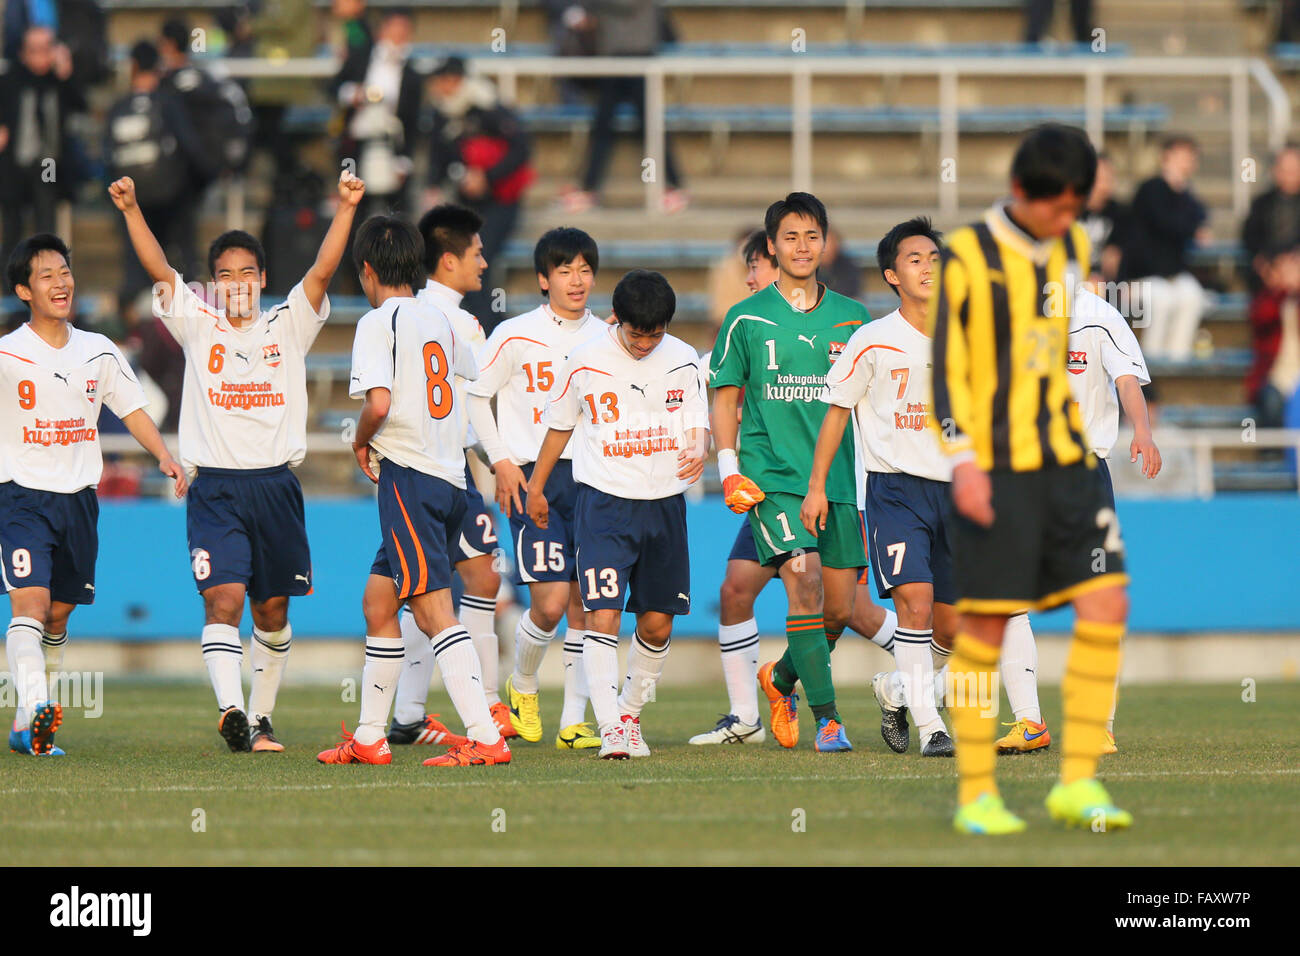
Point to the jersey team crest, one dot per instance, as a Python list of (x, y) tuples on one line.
[(1077, 363), (92, 387), (674, 399), (271, 355), (837, 349)]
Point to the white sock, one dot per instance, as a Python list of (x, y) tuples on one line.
[(26, 666), (378, 680), (224, 655), (941, 687), (270, 653), (600, 660), (462, 675), (530, 647), (53, 646), (479, 615), (575, 680), (417, 670), (1020, 668), (1110, 724), (645, 665), (912, 648), (739, 646), (884, 638), (939, 655)]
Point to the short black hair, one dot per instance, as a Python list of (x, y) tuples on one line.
[(177, 30), (1179, 141), (644, 301), (756, 245), (145, 56), (802, 204), (447, 228), (1054, 159), (393, 248), (560, 246), (887, 249), (449, 66), (235, 239), (19, 269)]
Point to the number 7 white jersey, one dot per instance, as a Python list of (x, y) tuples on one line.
[(244, 403), (410, 349)]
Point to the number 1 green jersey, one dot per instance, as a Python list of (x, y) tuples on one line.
[(780, 357)]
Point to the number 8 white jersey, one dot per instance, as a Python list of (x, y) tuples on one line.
[(410, 349)]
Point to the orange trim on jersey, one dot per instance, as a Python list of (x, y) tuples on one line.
[(584, 368), (406, 573), (513, 338), (849, 374), (419, 551), (18, 357), (838, 325)]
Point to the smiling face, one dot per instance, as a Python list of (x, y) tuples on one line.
[(568, 286), (239, 283), (49, 288), (915, 267), (798, 246), (638, 343)]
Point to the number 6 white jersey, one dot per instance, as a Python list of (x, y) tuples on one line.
[(410, 349), (629, 416), (244, 403)]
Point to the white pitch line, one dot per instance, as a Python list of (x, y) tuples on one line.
[(610, 780)]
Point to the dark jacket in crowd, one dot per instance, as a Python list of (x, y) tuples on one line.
[(481, 132), (1161, 230), (35, 110), (1107, 226), (356, 63), (1273, 222)]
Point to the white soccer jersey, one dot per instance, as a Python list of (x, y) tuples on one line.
[(1102, 348), (629, 416), (412, 350), (883, 374), (520, 363), (244, 403), (468, 330), (49, 426)]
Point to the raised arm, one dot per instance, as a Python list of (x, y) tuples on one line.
[(335, 244), (143, 241)]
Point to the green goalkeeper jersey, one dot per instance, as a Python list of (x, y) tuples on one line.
[(780, 357)]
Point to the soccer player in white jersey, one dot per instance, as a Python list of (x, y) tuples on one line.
[(1107, 370), (243, 428), (404, 361), (54, 379), (629, 401), (745, 579), (453, 260), (519, 367)]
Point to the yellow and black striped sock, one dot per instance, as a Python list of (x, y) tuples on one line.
[(1088, 693), (972, 675)]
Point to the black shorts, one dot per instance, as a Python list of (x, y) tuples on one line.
[(632, 554), (49, 540), (1054, 537), (420, 519)]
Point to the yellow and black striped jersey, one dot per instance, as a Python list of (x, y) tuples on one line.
[(1000, 325)]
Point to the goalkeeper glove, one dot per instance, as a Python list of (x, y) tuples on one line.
[(741, 493)]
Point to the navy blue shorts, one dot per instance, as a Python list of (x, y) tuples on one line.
[(633, 547), (907, 537), (478, 529), (419, 523), (49, 540), (1108, 486), (246, 526), (744, 549), (547, 555)]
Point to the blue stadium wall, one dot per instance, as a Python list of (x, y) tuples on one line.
[(1230, 563)]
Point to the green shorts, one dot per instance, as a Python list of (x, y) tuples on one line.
[(779, 534)]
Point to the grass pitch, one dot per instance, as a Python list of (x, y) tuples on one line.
[(1211, 780)]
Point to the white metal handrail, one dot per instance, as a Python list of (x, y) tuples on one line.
[(801, 68)]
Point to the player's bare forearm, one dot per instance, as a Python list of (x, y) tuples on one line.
[(374, 412), (828, 443), (552, 447), (335, 244), (691, 459), (1135, 407), (724, 423), (147, 248), (145, 432)]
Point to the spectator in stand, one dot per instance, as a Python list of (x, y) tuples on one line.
[(1167, 219), (1274, 217), (572, 33), (839, 270), (280, 29), (1038, 20), (149, 136), (1104, 218), (1275, 335), (480, 154), (37, 96), (622, 28), (379, 92)]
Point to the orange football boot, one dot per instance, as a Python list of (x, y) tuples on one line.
[(785, 708), (472, 754), (349, 751), (501, 717)]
